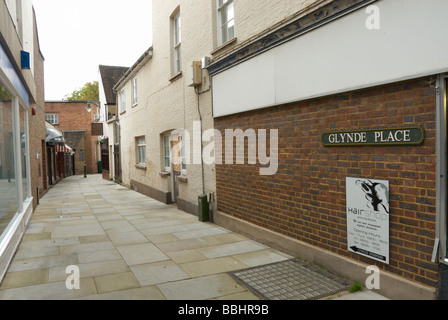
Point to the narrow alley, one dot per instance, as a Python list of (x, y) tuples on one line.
[(127, 246)]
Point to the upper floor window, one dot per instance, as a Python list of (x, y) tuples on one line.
[(177, 43), (52, 118), (122, 100), (134, 91), (226, 21)]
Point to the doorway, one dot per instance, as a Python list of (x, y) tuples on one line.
[(105, 167), (116, 152), (117, 164), (50, 166)]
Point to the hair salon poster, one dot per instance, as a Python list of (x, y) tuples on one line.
[(368, 218)]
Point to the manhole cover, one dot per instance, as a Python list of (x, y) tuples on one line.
[(290, 280)]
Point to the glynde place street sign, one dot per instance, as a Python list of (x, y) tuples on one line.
[(371, 137)]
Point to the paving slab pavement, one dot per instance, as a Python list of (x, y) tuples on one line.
[(127, 246)]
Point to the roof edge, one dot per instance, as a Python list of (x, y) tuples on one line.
[(144, 58)]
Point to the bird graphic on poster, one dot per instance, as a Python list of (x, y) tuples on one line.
[(376, 194)]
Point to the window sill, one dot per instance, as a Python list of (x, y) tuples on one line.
[(176, 76), (111, 120), (164, 174), (182, 178), (224, 45), (134, 105), (141, 166)]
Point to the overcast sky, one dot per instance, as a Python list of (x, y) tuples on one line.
[(76, 36)]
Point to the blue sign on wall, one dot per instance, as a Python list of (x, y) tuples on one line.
[(8, 70)]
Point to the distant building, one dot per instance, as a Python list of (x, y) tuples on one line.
[(160, 112), (74, 119), (110, 145)]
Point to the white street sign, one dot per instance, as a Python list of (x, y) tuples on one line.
[(368, 218)]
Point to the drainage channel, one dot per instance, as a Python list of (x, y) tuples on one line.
[(290, 280)]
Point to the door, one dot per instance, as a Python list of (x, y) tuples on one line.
[(117, 151), (43, 164), (73, 163), (117, 164), (105, 167), (49, 167)]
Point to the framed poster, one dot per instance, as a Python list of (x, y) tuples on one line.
[(368, 218)]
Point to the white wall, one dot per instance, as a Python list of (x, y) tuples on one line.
[(102, 101), (12, 8), (28, 29), (341, 56)]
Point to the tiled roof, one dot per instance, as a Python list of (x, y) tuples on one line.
[(72, 138), (109, 77)]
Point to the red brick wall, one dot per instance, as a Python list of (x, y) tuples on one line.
[(37, 132), (74, 116), (306, 199)]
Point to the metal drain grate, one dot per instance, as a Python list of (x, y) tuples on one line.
[(290, 280)]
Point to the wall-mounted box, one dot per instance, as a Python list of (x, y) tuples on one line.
[(196, 74)]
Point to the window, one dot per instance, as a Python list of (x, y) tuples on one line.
[(134, 91), (15, 182), (122, 100), (141, 150), (81, 155), (226, 21), (116, 133), (52, 118), (166, 153), (174, 153), (177, 43), (9, 195)]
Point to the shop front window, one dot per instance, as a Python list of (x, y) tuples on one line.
[(8, 183)]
